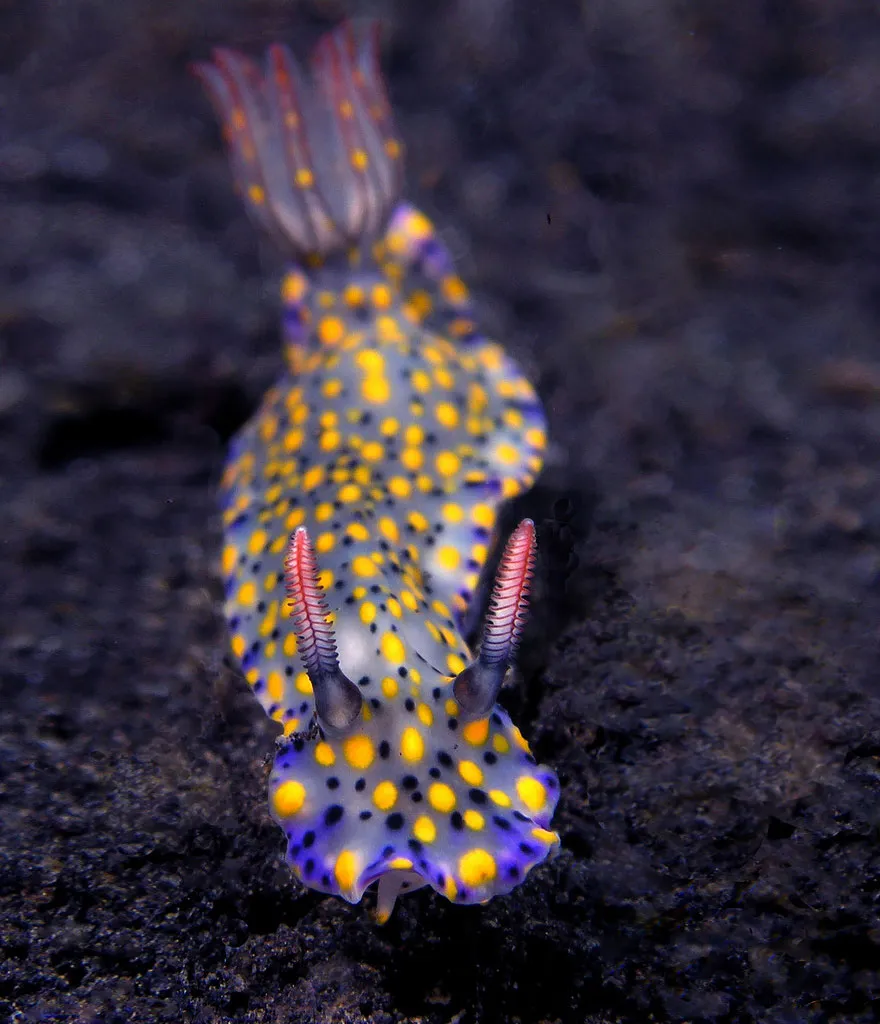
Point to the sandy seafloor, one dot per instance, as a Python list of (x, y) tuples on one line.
[(669, 211)]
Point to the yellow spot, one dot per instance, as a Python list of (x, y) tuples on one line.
[(544, 835), (441, 797), (353, 295), (256, 194), (424, 829), (247, 593), (390, 687), (473, 819), (376, 390), (325, 579), (506, 454), (388, 529), (500, 743), (389, 427), (454, 290), (304, 178), (450, 889), (359, 159), (498, 796), (312, 478), (426, 715), (346, 870), (325, 543), (409, 599), (289, 798), (412, 746), (325, 755), (392, 648), (444, 378), (393, 606), (290, 726), (420, 381), (329, 440), (303, 683), (293, 287), (418, 521), (414, 435), (323, 512), (385, 795), (519, 739), (275, 683), (400, 864), (470, 772), (363, 566), (400, 487), (447, 463), (367, 612), (296, 518), (372, 451), (412, 458), (331, 330), (358, 751), (477, 867), (447, 415), (452, 512), (381, 296), (349, 493), (331, 388), (531, 792), (448, 557), (455, 663), (483, 515), (476, 733), (451, 707), (293, 440), (371, 361), (230, 555), (257, 542)]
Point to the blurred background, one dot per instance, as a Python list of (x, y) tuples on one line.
[(668, 211)]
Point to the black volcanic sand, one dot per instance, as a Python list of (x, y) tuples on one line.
[(669, 212)]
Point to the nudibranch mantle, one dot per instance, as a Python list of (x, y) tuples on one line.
[(360, 504)]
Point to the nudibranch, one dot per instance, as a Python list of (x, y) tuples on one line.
[(360, 505)]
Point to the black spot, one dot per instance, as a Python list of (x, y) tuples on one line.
[(325, 881), (373, 627), (453, 724), (304, 707), (409, 782), (478, 796), (384, 750), (444, 758), (349, 599), (502, 823), (375, 703), (415, 845), (403, 672), (299, 745), (365, 815), (333, 814), (520, 816), (339, 584), (496, 718), (456, 820), (529, 851), (387, 851), (332, 782), (513, 871), (309, 866), (435, 773), (363, 681), (288, 670), (394, 821), (409, 704), (435, 693), (416, 797), (261, 607), (360, 785), (294, 851), (490, 758)]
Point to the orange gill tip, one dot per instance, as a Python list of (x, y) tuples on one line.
[(476, 688), (338, 701)]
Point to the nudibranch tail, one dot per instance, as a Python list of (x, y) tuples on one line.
[(338, 701), (476, 688), (317, 162)]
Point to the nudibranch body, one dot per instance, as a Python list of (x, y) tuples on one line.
[(359, 506)]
